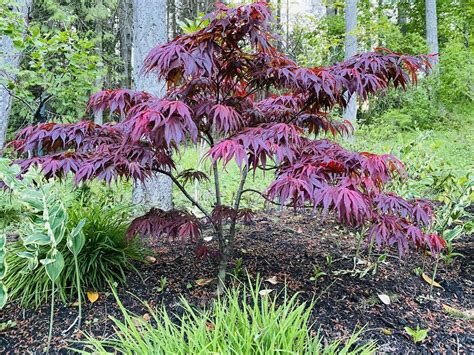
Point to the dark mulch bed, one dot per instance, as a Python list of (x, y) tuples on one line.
[(287, 248)]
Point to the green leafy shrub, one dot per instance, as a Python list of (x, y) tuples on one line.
[(398, 119), (246, 321), (105, 257)]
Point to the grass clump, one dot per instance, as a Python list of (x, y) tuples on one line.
[(241, 322)]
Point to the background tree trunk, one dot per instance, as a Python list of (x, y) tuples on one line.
[(350, 49), (432, 29), (9, 59), (125, 27), (149, 30), (402, 17), (330, 9), (99, 80)]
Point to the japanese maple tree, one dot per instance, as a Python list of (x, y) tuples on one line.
[(228, 85)]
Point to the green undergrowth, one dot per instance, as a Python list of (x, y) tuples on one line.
[(247, 320)]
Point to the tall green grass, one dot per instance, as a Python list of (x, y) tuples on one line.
[(241, 322)]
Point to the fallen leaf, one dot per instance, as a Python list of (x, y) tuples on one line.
[(146, 317), (203, 282), (150, 259), (74, 304), (92, 296), (384, 298), (458, 313), (430, 281), (273, 280), (265, 292)]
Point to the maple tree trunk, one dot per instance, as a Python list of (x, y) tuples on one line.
[(227, 245), (149, 30), (432, 29), (350, 49), (10, 59)]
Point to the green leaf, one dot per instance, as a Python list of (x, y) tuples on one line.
[(40, 239), (3, 295), (54, 266), (77, 229), (3, 263), (75, 244), (26, 255)]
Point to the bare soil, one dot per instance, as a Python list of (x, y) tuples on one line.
[(287, 247)]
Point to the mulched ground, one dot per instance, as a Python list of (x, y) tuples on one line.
[(288, 247)]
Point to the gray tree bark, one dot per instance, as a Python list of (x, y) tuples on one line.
[(350, 49), (9, 59), (150, 30), (402, 18), (99, 81), (432, 29), (330, 9), (125, 28)]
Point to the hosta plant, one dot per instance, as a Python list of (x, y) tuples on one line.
[(43, 230), (229, 86), (104, 258)]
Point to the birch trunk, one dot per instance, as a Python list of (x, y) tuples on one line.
[(350, 49), (432, 29), (149, 30), (9, 59)]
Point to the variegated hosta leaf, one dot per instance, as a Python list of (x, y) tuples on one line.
[(54, 265), (76, 239), (3, 295)]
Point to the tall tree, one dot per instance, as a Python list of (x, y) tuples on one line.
[(9, 61), (149, 30), (402, 17), (432, 29), (98, 115), (125, 30), (350, 49)]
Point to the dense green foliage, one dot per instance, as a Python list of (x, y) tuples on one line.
[(106, 253), (400, 26)]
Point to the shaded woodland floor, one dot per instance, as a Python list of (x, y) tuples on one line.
[(288, 249)]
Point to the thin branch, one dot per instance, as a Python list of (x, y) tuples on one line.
[(186, 193), (271, 201), (218, 196), (18, 98), (237, 200)]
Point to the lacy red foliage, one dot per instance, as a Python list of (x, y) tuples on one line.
[(173, 224), (214, 77)]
